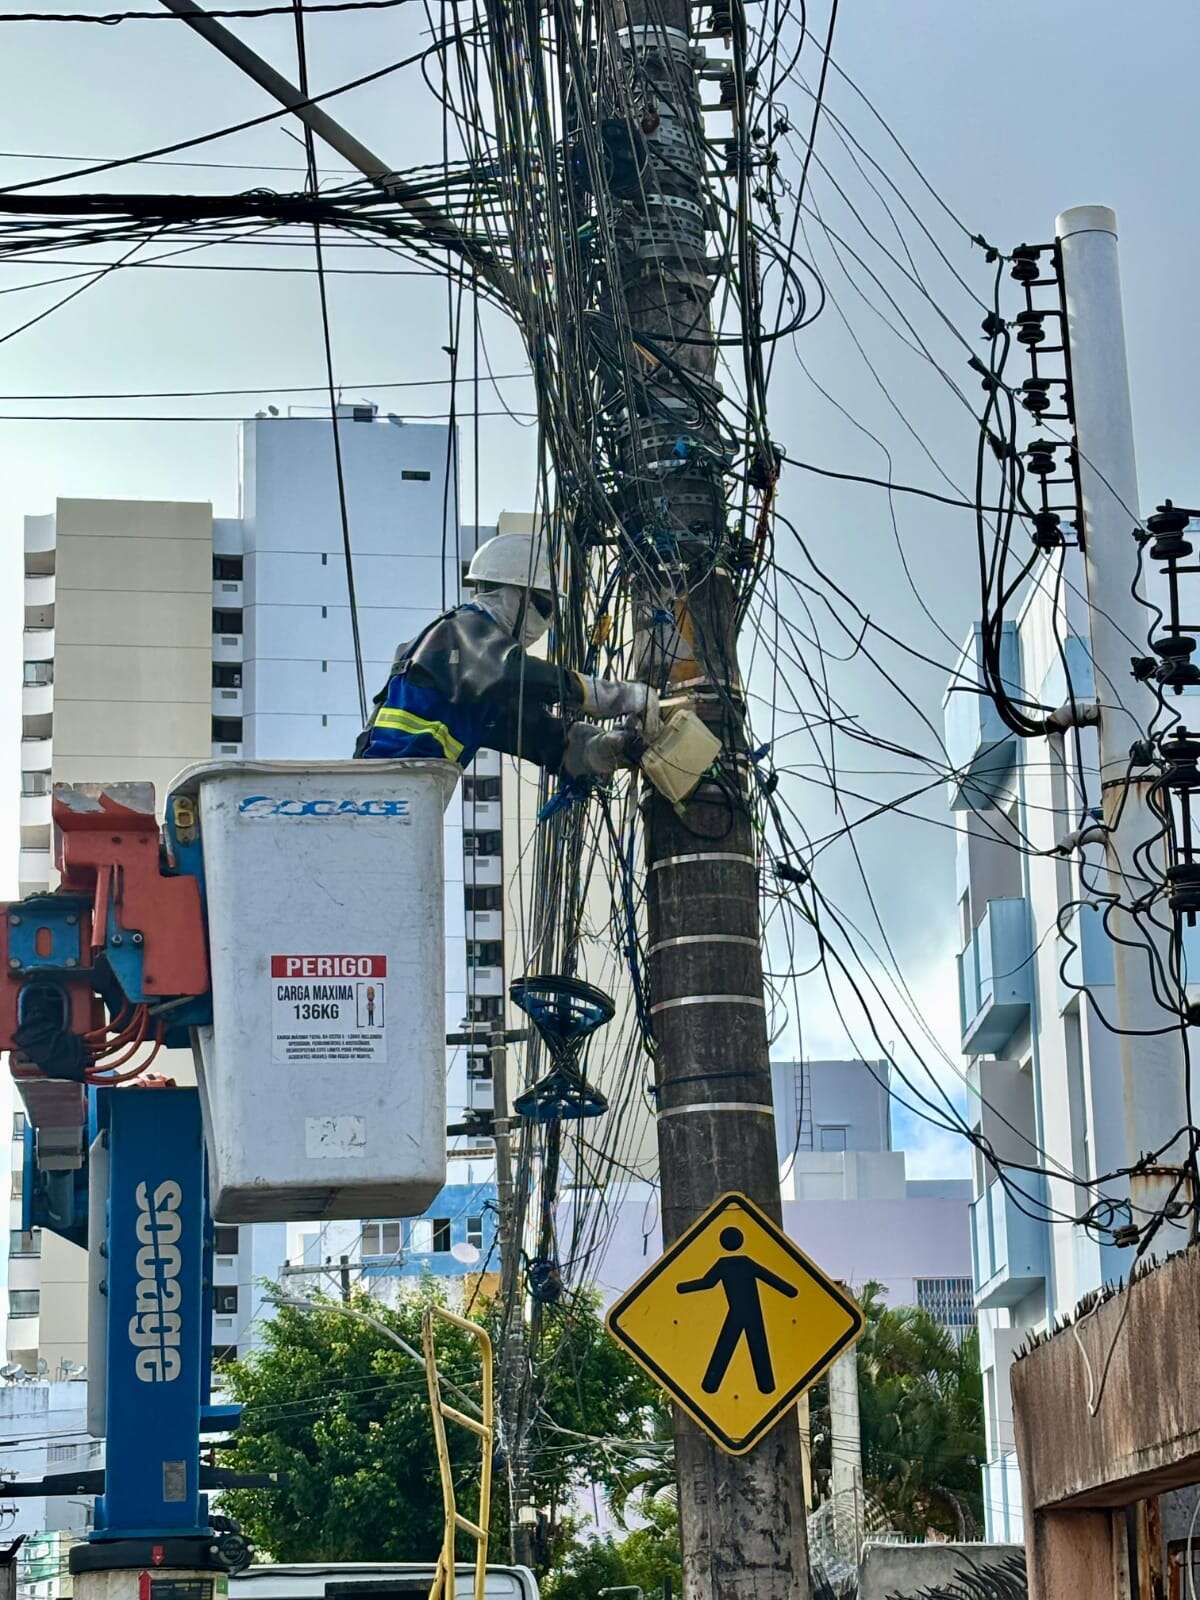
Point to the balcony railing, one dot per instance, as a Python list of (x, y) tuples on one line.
[(1009, 1243), (483, 871), (994, 978), (982, 749)]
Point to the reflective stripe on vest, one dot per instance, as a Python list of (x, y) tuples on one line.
[(409, 722)]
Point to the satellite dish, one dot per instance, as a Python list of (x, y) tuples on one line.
[(12, 1369), (468, 1254)]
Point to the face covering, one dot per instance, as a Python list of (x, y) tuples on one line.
[(506, 603)]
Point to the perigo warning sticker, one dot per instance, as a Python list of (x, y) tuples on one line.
[(328, 1008)]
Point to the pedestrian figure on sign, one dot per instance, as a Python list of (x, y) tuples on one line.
[(370, 1005), (740, 1277)]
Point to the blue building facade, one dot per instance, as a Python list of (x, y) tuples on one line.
[(454, 1238)]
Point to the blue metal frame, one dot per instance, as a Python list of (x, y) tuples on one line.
[(158, 1323)]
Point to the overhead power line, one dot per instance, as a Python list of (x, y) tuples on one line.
[(110, 19)]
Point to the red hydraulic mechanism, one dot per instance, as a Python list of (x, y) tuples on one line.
[(103, 971)]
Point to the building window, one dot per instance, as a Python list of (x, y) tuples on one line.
[(411, 475), (484, 1007), (23, 1302), (38, 672), (833, 1138), (475, 1232), (58, 1454), (441, 1235), (227, 730), (483, 897), (227, 567), (481, 844), (227, 621), (481, 788), (225, 1299), (225, 1240), (223, 1353), (950, 1301), (35, 783), (18, 1124), (484, 953), (227, 675), (25, 1242), (479, 1067), (381, 1239), (17, 1186), (420, 1236)]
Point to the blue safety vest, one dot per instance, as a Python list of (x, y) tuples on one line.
[(413, 719)]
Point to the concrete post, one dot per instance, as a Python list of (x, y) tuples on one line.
[(1152, 1065), (846, 1481)]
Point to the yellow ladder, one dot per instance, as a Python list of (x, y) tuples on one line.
[(443, 1581)]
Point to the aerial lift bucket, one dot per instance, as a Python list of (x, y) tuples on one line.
[(323, 1071)]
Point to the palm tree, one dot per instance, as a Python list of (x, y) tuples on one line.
[(921, 1411)]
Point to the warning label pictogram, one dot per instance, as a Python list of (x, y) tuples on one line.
[(329, 1008)]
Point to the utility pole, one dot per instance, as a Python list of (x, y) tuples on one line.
[(1152, 1065), (742, 1518), (513, 1357), (512, 1306), (845, 1448)]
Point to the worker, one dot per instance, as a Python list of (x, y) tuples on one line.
[(467, 681)]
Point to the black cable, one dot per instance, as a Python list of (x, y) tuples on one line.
[(313, 183)]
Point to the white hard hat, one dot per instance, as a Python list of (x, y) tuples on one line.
[(517, 558)]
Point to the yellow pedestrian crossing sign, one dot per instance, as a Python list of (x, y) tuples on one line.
[(735, 1322)]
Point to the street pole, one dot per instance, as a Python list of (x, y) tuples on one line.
[(512, 1309), (845, 1448), (1152, 1064), (513, 1359), (742, 1518)]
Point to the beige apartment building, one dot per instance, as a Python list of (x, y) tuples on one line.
[(117, 688)]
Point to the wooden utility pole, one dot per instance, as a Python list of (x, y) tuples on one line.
[(742, 1518)]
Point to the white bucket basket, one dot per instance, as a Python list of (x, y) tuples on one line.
[(323, 1077)]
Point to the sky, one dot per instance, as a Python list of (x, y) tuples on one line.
[(1012, 113)]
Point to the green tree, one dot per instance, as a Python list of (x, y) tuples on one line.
[(342, 1415), (920, 1399), (647, 1558)]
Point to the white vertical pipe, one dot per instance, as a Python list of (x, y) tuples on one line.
[(1152, 1067)]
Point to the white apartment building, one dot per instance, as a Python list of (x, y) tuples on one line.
[(157, 635), (43, 1429), (1035, 981)]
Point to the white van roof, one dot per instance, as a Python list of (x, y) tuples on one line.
[(382, 1580)]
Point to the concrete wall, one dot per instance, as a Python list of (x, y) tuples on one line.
[(891, 1570)]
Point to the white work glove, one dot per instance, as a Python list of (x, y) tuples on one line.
[(595, 752), (610, 697)]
